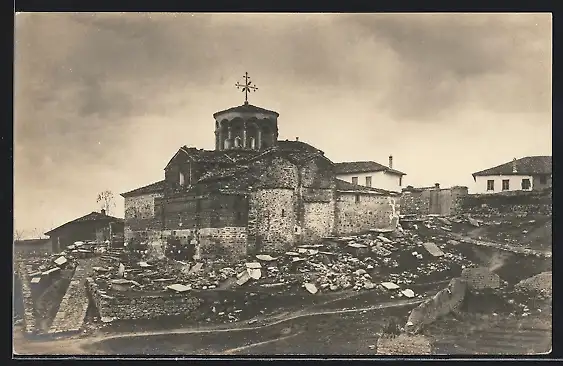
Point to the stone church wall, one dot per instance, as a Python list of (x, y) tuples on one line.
[(140, 215), (356, 213)]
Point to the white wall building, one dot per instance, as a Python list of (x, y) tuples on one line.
[(525, 174), (371, 174)]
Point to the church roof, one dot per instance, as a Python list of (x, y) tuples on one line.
[(246, 108), (363, 166), (150, 188)]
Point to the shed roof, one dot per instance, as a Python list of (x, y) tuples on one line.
[(91, 217)]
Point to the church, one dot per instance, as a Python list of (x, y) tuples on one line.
[(253, 193)]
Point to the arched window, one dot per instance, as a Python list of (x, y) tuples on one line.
[(237, 141), (226, 144), (252, 142)]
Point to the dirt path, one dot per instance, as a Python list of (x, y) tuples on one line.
[(501, 246), (74, 346)]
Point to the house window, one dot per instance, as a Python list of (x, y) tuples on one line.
[(354, 180), (525, 183), (400, 181), (543, 179), (357, 198), (490, 185), (283, 212), (505, 184), (368, 181), (182, 179)]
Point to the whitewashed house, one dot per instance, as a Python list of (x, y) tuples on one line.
[(525, 174), (371, 174)]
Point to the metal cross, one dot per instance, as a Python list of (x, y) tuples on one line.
[(246, 87)]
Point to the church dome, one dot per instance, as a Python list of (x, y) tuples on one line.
[(245, 127)]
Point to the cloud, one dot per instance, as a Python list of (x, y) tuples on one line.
[(103, 99)]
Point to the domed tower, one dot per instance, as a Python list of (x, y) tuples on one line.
[(246, 127)]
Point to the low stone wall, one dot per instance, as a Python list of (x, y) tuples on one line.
[(29, 307), (119, 307), (447, 300), (518, 202), (480, 278)]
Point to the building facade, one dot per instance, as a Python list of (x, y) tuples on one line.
[(253, 193), (530, 173), (371, 174)]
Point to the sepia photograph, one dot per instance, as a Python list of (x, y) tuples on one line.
[(282, 184)]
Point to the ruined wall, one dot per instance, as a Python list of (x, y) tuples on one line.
[(415, 202), (445, 301), (480, 278), (140, 215), (145, 307), (274, 219), (517, 202), (445, 201), (356, 213)]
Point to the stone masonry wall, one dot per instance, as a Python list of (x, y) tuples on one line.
[(371, 211), (144, 307), (139, 214), (228, 243), (415, 203), (318, 221), (510, 202), (275, 219)]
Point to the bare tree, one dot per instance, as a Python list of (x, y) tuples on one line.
[(106, 201), (18, 234)]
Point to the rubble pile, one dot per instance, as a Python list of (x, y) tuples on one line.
[(355, 263), (540, 285)]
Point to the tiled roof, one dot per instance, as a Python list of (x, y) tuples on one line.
[(296, 145), (151, 188), (91, 217), (245, 108), (528, 165), (342, 185), (363, 166)]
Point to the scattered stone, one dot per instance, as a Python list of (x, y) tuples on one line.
[(60, 261), (408, 293), (473, 222), (254, 273), (253, 265), (265, 257), (36, 280), (311, 288), (121, 270), (243, 278), (179, 287), (433, 249), (389, 285)]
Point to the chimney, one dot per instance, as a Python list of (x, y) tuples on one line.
[(103, 211), (390, 161), (297, 138), (514, 170), (437, 185)]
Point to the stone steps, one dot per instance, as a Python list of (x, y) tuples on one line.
[(29, 316), (74, 305)]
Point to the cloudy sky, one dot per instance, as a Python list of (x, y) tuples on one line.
[(103, 101)]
